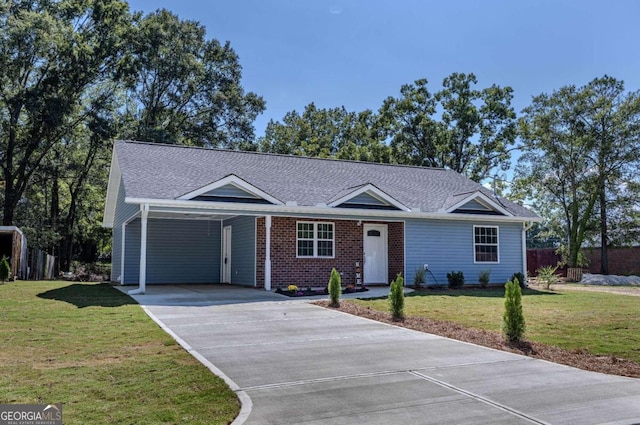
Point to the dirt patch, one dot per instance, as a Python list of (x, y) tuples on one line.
[(604, 364), (633, 291)]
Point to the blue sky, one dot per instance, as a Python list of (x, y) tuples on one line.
[(358, 52)]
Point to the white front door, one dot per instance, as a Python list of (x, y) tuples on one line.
[(226, 254), (375, 253)]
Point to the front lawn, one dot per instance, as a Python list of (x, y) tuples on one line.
[(93, 349), (598, 323)]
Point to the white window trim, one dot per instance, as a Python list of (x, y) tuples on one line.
[(315, 239), (475, 261)]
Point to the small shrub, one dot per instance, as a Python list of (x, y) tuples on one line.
[(334, 288), (456, 279), (396, 299), (419, 278), (350, 289), (292, 288), (5, 269), (483, 278), (518, 276), (547, 275), (513, 323)]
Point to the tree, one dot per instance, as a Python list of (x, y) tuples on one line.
[(396, 299), (581, 152), (333, 132), (5, 269), (472, 135), (50, 54), (513, 323), (334, 288), (186, 89)]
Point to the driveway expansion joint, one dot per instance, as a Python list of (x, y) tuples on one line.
[(479, 398)]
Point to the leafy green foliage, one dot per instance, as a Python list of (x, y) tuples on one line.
[(396, 299), (52, 54), (333, 132), (335, 288), (455, 279), (483, 278), (185, 89), (419, 277), (513, 323), (472, 136), (547, 275), (580, 157), (5, 269), (520, 278)]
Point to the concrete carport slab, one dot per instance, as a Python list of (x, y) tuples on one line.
[(299, 363)]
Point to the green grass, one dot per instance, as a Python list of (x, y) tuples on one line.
[(91, 348), (598, 323)]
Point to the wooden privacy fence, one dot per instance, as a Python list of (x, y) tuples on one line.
[(622, 261)]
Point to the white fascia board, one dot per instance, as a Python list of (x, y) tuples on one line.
[(115, 177), (374, 192), (235, 181), (262, 209), (484, 200)]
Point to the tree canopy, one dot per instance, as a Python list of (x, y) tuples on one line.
[(184, 88), (581, 154), (459, 127), (333, 132)]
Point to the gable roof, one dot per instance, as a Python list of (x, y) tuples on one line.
[(170, 172)]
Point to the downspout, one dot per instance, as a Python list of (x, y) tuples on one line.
[(142, 284), (267, 253), (525, 226)]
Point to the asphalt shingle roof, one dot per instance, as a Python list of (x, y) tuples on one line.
[(159, 171)]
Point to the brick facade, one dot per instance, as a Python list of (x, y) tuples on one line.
[(396, 250), (286, 269)]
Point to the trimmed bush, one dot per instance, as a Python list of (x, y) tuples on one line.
[(335, 288), (396, 299), (5, 269), (419, 277), (518, 276), (483, 278), (456, 279), (513, 324)]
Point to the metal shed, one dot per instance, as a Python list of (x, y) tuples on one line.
[(13, 245)]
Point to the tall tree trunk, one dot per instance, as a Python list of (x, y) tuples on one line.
[(604, 234)]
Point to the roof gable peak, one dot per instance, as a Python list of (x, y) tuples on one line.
[(235, 181)]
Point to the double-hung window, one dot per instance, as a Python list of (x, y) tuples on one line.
[(315, 239), (485, 244)]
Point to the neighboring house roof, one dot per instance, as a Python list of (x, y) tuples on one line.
[(170, 172)]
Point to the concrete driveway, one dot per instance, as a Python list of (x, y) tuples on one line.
[(292, 362)]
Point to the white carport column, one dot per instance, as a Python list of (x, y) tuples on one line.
[(525, 226), (144, 215), (267, 253)]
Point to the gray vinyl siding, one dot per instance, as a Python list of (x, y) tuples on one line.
[(474, 205), (243, 250), (229, 190), (122, 213), (178, 251), (448, 246), (365, 199)]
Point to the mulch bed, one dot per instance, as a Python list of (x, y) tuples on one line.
[(605, 364), (313, 292)]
